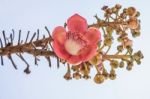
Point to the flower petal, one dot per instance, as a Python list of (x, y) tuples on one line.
[(93, 35), (74, 60), (60, 50), (77, 23), (59, 34), (88, 52)]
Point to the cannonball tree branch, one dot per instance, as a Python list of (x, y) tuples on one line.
[(115, 21)]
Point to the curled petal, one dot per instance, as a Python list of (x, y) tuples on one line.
[(59, 34), (88, 52), (77, 23), (60, 50), (93, 35)]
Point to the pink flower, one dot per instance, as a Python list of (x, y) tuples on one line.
[(77, 43)]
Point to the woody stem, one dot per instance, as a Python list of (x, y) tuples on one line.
[(105, 57), (103, 24)]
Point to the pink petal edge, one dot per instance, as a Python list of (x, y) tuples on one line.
[(93, 35), (59, 34), (88, 52), (77, 24), (60, 50)]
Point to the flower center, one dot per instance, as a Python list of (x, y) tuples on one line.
[(74, 43), (72, 46)]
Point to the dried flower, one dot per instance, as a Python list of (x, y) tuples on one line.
[(79, 43)]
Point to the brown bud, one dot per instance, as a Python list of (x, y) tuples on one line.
[(129, 68), (114, 63), (75, 68), (86, 77), (77, 75), (105, 73), (99, 78), (133, 23), (123, 15), (120, 48), (67, 76), (137, 14), (108, 41), (112, 76), (104, 8), (121, 64), (131, 11), (114, 10), (130, 63), (109, 11), (125, 10), (135, 33), (118, 6)]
